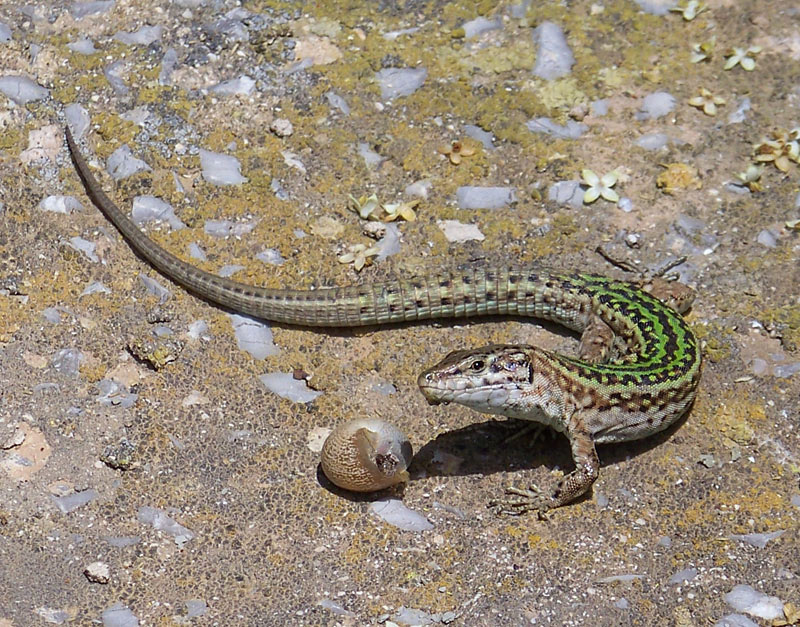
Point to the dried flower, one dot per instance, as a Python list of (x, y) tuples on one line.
[(742, 57), (455, 151), (691, 10), (707, 102), (782, 148), (359, 255), (599, 186), (751, 176), (702, 51), (367, 208), (404, 210), (678, 176), (372, 209)]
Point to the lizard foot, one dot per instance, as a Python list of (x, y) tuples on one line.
[(532, 500)]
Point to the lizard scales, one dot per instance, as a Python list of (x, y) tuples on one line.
[(657, 380)]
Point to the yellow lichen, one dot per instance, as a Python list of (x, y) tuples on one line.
[(678, 176)]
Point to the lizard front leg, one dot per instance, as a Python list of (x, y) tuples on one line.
[(569, 487)]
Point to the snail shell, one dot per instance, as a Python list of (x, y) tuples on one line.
[(365, 455)]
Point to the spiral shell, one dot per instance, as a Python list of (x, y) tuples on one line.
[(365, 455)]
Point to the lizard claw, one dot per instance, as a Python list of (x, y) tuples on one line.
[(532, 499)]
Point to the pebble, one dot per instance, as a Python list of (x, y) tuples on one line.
[(389, 244), (337, 102), (196, 607), (155, 288), (744, 598), (281, 127), (455, 231), (229, 269), (150, 209), (60, 204), (119, 616), (219, 169), (22, 90), (599, 108), (768, 238), (477, 133), (242, 86), (271, 256), (554, 58), (480, 25), (71, 502), (787, 370), (655, 105), (115, 394), (371, 158), (286, 386), (652, 141), (625, 204), (470, 197), (393, 511), (682, 576), (82, 46), (656, 7), (67, 361), (121, 163), (168, 64), (758, 540), (79, 10), (397, 82), (114, 73), (566, 193), (195, 252), (95, 287), (77, 118), (145, 36), (253, 336), (418, 189), (740, 114), (159, 520), (570, 130), (226, 228), (97, 572)]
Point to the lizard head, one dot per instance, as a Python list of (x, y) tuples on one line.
[(480, 378)]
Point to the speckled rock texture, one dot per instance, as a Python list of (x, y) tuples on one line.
[(147, 474)]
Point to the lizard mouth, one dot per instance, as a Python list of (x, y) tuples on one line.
[(434, 395)]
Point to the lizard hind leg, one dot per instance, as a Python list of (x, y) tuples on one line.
[(597, 341)]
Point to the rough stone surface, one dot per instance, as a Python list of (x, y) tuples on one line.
[(213, 453)]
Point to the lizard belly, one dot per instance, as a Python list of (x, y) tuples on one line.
[(623, 425)]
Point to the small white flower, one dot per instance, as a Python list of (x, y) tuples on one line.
[(599, 186), (359, 255), (751, 176), (742, 57), (692, 9), (367, 208), (702, 51), (404, 210), (707, 101)]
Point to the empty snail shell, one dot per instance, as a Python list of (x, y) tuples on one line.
[(365, 455)]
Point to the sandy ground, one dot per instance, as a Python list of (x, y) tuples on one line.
[(130, 440)]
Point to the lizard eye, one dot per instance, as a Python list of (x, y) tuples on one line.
[(476, 365)]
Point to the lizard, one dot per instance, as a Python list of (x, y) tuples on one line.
[(590, 399)]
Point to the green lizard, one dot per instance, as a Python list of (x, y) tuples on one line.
[(588, 399)]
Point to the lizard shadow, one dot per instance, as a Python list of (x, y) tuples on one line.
[(438, 323), (475, 450), (494, 446)]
